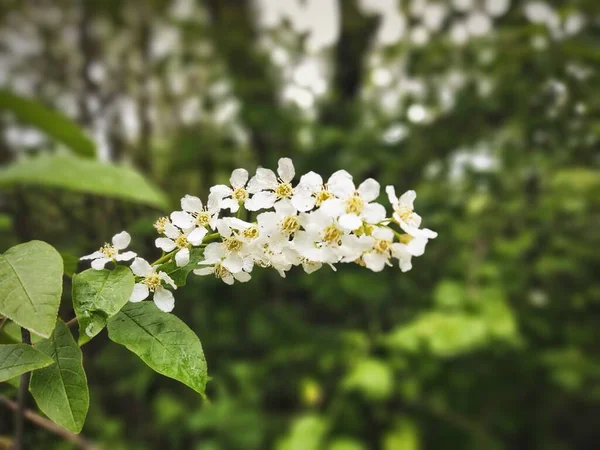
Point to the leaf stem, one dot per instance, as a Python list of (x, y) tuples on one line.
[(71, 322), (23, 389)]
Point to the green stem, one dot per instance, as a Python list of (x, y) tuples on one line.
[(22, 397), (163, 258)]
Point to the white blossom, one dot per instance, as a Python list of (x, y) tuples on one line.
[(353, 206), (234, 196), (181, 240), (224, 264), (405, 215), (195, 214), (267, 188), (111, 252), (152, 282)]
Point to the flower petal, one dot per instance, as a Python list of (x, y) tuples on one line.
[(165, 244), (182, 257), (164, 299), (333, 207), (311, 181), (350, 221), (94, 255), (167, 279), (238, 178), (264, 179), (303, 200), (242, 277), (121, 240), (204, 271), (407, 199), (261, 200), (233, 263), (341, 186), (127, 256), (373, 213), (285, 169), (182, 219), (99, 263), (369, 190), (190, 203), (141, 267), (140, 292), (196, 236), (375, 261), (391, 193), (171, 231)]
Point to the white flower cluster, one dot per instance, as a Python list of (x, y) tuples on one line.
[(279, 225)]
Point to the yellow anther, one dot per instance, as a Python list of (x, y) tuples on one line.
[(232, 244), (284, 190), (355, 204), (152, 281), (322, 195), (382, 246), (181, 241), (221, 272), (203, 219), (161, 223), (251, 232), (240, 194), (332, 234), (290, 224), (109, 251)]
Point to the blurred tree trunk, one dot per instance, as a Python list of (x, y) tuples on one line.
[(271, 130)]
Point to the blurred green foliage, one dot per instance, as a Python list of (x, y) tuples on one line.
[(490, 342)]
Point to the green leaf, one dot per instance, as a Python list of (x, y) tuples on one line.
[(70, 263), (405, 436), (162, 341), (307, 433), (372, 377), (99, 295), (84, 176), (31, 286), (61, 390), (179, 274), (16, 359), (51, 122)]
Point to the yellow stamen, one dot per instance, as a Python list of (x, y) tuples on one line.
[(284, 190)]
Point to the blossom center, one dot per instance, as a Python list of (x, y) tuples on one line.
[(109, 251), (332, 234), (221, 272), (322, 195), (152, 281), (203, 219), (232, 244), (240, 194), (161, 223), (355, 204), (284, 190), (382, 245), (251, 232), (290, 224), (181, 241), (403, 213)]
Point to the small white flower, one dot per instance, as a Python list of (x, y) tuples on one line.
[(379, 254), (110, 252), (404, 213), (311, 191), (181, 240), (152, 281), (279, 225), (234, 196), (222, 264), (321, 238), (267, 189), (353, 206), (195, 214)]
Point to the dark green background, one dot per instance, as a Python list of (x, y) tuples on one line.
[(490, 342)]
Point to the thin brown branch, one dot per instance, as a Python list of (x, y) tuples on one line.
[(50, 426), (71, 322)]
